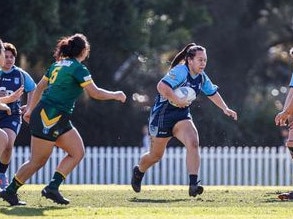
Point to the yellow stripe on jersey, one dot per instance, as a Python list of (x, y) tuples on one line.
[(86, 83), (49, 122)]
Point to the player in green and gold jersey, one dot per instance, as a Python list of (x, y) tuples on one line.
[(49, 115)]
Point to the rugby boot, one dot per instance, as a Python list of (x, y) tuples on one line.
[(195, 190), (11, 198), (287, 196), (136, 179), (55, 196)]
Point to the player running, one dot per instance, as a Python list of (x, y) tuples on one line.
[(49, 114), (167, 121)]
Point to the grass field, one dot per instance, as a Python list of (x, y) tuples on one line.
[(115, 201)]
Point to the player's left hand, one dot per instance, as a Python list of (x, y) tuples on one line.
[(281, 118), (120, 96), (6, 108), (27, 116), (231, 113), (23, 109)]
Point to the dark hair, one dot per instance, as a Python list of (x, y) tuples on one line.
[(71, 46), (189, 51), (1, 45), (10, 47)]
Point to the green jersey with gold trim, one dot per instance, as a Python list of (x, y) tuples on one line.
[(66, 80)]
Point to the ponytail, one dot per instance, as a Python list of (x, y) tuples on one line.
[(181, 55)]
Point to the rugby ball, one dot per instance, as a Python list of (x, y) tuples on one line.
[(185, 92)]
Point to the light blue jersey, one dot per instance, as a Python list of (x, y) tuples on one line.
[(10, 81), (163, 114), (291, 81)]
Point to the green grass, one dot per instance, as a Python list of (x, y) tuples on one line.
[(115, 201)]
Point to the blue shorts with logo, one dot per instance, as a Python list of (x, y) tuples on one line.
[(12, 122), (161, 122)]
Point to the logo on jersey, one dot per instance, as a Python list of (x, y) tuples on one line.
[(16, 81), (171, 75)]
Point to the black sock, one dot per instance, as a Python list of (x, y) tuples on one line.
[(192, 179), (14, 186), (56, 180)]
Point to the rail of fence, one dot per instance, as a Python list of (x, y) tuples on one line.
[(219, 166)]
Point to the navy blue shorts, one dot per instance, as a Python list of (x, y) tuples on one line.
[(12, 122), (161, 124), (48, 123)]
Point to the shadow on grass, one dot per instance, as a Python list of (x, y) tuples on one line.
[(27, 211), (147, 200)]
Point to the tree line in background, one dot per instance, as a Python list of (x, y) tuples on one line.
[(132, 44)]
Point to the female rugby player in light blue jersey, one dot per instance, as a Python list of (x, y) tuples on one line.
[(49, 116), (9, 98), (284, 118), (11, 79), (4, 140), (167, 121)]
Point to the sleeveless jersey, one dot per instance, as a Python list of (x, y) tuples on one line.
[(66, 79), (12, 80)]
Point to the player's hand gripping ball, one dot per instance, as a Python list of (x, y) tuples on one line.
[(185, 92)]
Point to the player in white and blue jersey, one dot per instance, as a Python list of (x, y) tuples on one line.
[(167, 121), (12, 78), (285, 118)]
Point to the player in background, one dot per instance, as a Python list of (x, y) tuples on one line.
[(11, 79), (6, 99), (167, 121), (284, 118), (49, 115)]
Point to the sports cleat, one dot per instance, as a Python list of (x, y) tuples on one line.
[(287, 196), (54, 195), (195, 190), (11, 198), (136, 179), (3, 181)]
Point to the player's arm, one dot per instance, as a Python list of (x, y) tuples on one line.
[(12, 97), (288, 106), (42, 85), (166, 91), (282, 117), (102, 94), (219, 102)]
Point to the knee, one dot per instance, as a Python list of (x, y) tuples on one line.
[(78, 155), (192, 145)]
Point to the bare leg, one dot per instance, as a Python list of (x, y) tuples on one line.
[(186, 132), (72, 143), (157, 149), (40, 152), (6, 154), (3, 141)]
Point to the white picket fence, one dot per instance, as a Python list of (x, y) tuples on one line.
[(219, 166)]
